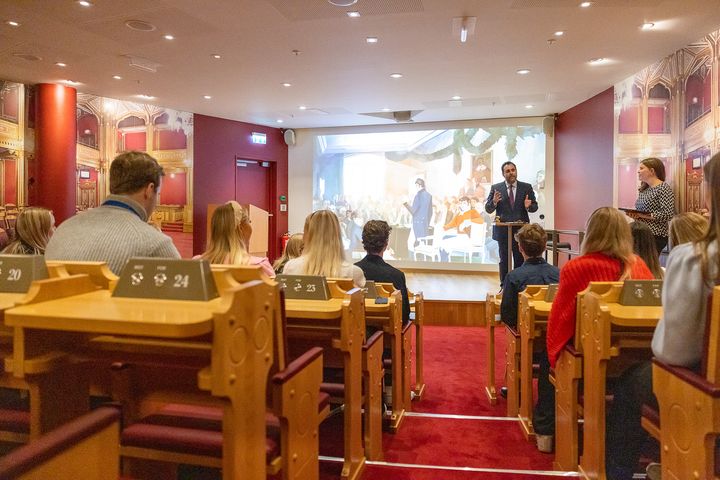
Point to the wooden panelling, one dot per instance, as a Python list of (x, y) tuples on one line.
[(455, 313)]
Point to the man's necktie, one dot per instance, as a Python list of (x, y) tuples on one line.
[(511, 196)]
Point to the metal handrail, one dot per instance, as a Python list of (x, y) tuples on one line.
[(557, 247)]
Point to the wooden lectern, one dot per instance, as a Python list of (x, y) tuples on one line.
[(259, 220), (510, 226)]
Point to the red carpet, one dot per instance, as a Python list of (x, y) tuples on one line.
[(454, 373)]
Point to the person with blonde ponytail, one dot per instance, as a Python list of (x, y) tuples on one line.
[(230, 232), (323, 251), (607, 256), (33, 228)]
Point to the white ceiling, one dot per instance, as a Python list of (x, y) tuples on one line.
[(337, 71)]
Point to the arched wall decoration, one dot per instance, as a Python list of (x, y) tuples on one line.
[(679, 115)]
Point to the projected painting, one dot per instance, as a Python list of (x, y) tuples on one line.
[(429, 185)]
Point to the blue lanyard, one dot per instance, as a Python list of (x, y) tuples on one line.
[(115, 203)]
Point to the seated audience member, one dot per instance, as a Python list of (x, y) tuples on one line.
[(606, 257), (230, 232), (458, 229), (532, 241), (687, 227), (375, 237), (293, 249), (323, 251), (117, 230), (33, 228), (693, 269), (645, 248)]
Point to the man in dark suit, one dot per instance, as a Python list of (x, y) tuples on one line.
[(421, 210), (511, 201), (375, 236)]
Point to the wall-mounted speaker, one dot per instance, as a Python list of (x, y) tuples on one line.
[(289, 136), (549, 125)]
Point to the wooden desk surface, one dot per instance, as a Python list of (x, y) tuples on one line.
[(624, 315), (317, 309), (542, 308), (99, 312), (9, 300), (375, 308)]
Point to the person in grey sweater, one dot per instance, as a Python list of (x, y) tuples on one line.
[(117, 230)]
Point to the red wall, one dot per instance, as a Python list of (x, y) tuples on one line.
[(583, 161), (170, 140), (10, 181), (172, 189), (216, 144)]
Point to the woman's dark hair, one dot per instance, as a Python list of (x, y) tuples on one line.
[(657, 166), (645, 248)]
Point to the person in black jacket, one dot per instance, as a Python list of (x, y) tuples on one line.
[(511, 201), (375, 237)]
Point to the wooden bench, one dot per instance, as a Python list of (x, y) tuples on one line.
[(492, 321), (237, 327), (512, 360), (388, 318), (533, 312), (689, 408), (292, 440), (613, 337), (86, 448), (566, 377), (417, 319), (338, 325)]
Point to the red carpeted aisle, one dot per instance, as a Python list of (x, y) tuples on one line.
[(427, 447)]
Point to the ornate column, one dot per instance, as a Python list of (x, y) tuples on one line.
[(56, 149)]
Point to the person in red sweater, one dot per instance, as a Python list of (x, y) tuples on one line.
[(607, 256)]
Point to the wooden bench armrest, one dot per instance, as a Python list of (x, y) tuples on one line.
[(55, 443), (296, 366), (690, 377), (513, 331), (570, 348), (375, 337)]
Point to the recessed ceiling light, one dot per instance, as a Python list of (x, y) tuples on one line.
[(145, 97), (396, 75), (216, 56), (286, 84), (523, 71), (84, 3), (168, 37), (559, 33), (353, 14), (597, 61), (60, 64), (13, 23), (585, 4), (279, 120), (342, 3), (207, 97), (456, 97), (72, 82), (117, 77), (140, 25), (385, 109), (647, 25), (528, 106), (371, 40), (302, 107)]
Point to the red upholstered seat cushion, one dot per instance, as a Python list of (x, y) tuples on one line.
[(183, 440), (17, 421), (651, 414)]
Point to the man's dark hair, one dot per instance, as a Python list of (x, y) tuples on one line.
[(502, 167), (464, 199), (533, 239), (131, 171), (375, 236), (420, 182)]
